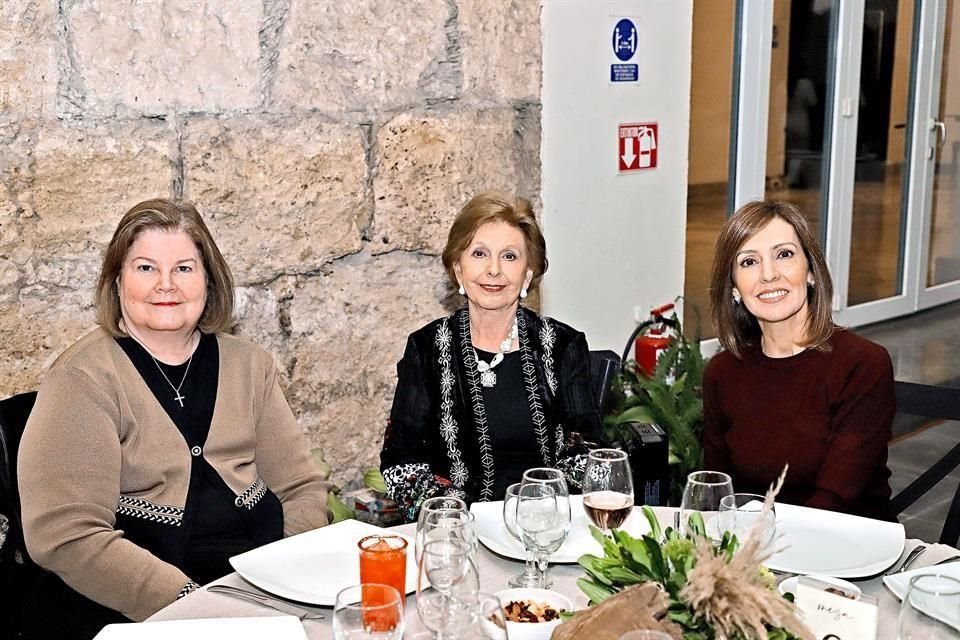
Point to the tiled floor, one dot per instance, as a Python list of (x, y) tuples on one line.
[(925, 348)]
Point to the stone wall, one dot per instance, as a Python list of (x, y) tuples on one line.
[(327, 143)]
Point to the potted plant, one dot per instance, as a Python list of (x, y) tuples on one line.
[(671, 397)]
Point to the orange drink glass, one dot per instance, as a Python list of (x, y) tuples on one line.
[(383, 560)]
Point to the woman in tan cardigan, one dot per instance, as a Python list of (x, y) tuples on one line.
[(159, 445)]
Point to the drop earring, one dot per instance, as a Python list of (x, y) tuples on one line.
[(462, 291), (523, 293), (736, 298)]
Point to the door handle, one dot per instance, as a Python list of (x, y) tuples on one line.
[(941, 130)]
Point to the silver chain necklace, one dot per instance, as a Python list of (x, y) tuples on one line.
[(176, 389), (488, 376)]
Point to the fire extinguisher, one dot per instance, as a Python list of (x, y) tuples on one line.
[(651, 338)]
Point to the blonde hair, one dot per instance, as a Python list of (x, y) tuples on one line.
[(493, 206)]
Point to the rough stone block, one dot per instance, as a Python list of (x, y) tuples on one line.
[(284, 196), (157, 57), (363, 55), (86, 175), (429, 166), (500, 45), (347, 345), (28, 57)]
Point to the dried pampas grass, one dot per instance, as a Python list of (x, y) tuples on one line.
[(735, 598)]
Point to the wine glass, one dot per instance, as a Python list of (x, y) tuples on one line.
[(608, 488), (528, 578), (702, 494), (368, 611), (543, 518), (445, 565), (440, 512), (489, 621), (741, 512), (930, 609)]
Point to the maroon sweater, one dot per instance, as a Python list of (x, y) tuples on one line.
[(826, 413)]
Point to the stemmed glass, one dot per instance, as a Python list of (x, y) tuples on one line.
[(445, 565), (741, 512), (544, 522), (703, 493), (368, 611), (608, 488), (443, 513), (930, 609), (529, 576), (555, 479)]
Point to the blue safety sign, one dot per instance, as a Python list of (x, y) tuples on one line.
[(625, 39)]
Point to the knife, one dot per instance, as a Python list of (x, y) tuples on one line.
[(266, 601)]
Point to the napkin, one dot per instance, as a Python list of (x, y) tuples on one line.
[(275, 627), (898, 583)]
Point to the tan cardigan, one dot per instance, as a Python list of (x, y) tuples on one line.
[(98, 441)]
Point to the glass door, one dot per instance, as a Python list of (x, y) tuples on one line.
[(939, 276)]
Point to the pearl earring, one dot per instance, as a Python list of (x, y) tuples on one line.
[(523, 293), (811, 284), (736, 298), (462, 291)]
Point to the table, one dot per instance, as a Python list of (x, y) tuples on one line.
[(494, 573)]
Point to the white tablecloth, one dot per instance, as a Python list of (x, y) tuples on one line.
[(494, 573)]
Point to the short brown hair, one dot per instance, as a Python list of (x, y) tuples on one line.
[(736, 327), (165, 215), (493, 206)]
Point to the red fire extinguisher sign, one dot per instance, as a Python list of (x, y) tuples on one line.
[(637, 146)]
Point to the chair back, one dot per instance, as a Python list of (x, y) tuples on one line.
[(603, 367), (936, 403), (14, 412)]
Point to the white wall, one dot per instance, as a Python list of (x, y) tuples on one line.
[(614, 241)]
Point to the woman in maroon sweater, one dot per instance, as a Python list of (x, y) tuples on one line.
[(791, 387)]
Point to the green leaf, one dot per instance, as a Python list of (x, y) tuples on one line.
[(339, 510), (595, 592), (635, 414), (695, 524), (652, 521), (373, 479)]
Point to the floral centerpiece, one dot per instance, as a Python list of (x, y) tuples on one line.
[(712, 590)]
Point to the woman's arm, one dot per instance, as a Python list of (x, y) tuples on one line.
[(861, 427), (285, 463), (405, 457), (69, 470)]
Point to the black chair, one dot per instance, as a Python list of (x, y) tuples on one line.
[(604, 365), (16, 567), (935, 403)]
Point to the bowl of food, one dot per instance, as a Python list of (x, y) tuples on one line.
[(833, 585), (532, 614)]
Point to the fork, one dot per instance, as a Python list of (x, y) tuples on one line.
[(913, 555), (266, 601)]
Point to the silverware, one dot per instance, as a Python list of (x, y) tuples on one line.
[(913, 555), (266, 601), (946, 560)]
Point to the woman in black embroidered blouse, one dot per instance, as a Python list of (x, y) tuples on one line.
[(494, 388)]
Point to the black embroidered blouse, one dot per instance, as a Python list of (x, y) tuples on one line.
[(439, 438)]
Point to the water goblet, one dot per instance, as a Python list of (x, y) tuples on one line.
[(543, 519), (445, 566), (368, 612), (742, 514), (529, 577), (439, 512), (702, 494), (608, 488), (930, 609)]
